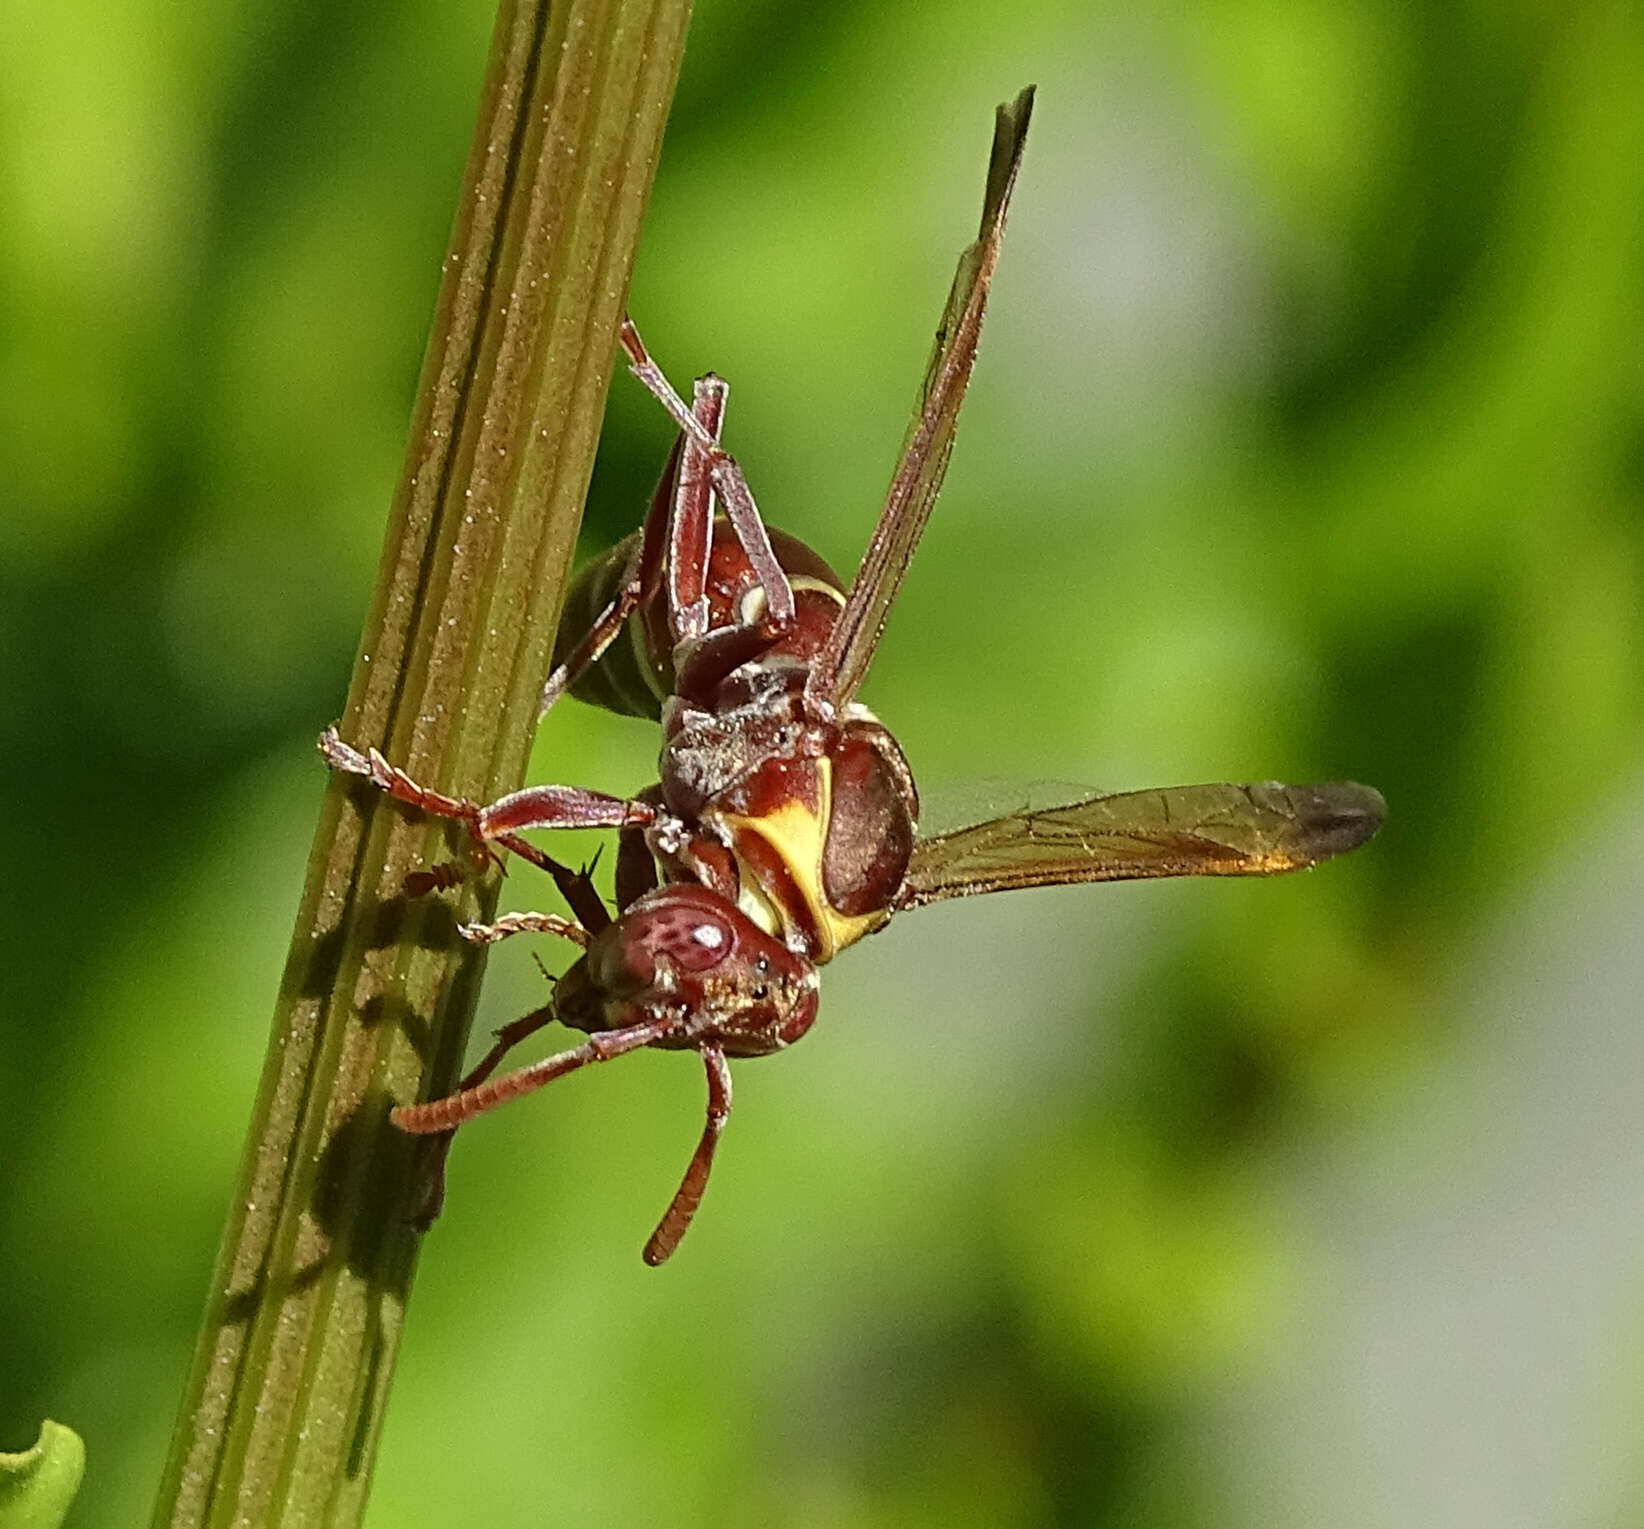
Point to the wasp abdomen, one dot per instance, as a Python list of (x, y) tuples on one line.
[(636, 673), (623, 680)]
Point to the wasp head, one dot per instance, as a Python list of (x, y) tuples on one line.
[(685, 949)]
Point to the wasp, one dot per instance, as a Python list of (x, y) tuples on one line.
[(783, 824)]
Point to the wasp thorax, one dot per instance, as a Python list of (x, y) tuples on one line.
[(870, 824)]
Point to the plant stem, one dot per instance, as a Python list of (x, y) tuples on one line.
[(283, 1410)]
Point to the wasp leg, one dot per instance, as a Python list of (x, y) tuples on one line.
[(728, 482), (577, 888), (678, 534), (558, 807), (534, 807), (690, 523), (676, 1220), (635, 873), (605, 630), (524, 923), (582, 896)]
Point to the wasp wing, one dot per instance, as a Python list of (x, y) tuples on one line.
[(844, 659), (1216, 830)]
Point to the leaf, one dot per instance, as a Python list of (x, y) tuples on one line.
[(37, 1486)]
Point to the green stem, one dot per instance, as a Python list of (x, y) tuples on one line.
[(283, 1410)]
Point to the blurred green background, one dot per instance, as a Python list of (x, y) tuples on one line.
[(1306, 442)]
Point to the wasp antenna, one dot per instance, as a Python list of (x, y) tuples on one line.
[(676, 1220), (456, 1109)]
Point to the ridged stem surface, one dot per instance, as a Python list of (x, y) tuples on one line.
[(284, 1405)]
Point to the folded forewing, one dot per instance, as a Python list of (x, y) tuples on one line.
[(1215, 830), (844, 659)]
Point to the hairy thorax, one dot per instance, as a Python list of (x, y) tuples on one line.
[(817, 818)]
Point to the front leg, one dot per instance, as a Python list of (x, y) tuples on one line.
[(735, 497), (500, 821), (671, 554), (376, 769), (524, 923)]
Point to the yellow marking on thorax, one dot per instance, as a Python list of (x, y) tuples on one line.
[(798, 836)]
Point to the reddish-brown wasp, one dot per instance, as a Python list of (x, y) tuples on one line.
[(782, 826)]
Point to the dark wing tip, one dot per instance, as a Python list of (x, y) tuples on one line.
[(1015, 113), (1338, 816), (1010, 125)]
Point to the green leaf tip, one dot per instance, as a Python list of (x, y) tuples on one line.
[(37, 1486)]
